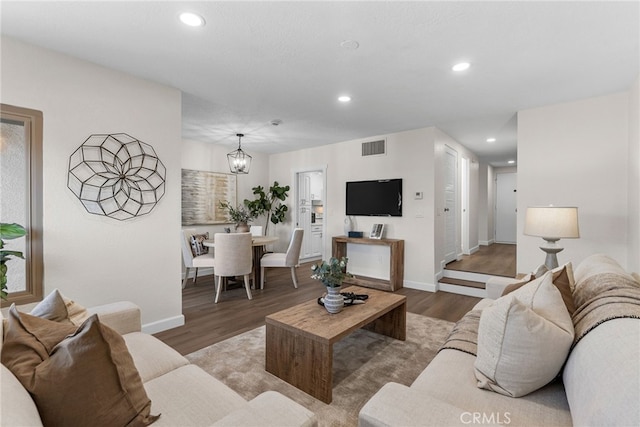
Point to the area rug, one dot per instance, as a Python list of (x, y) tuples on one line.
[(362, 363)]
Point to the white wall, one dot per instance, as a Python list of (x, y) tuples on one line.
[(634, 177), (95, 259), (411, 155), (575, 154)]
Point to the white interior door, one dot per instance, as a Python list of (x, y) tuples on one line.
[(450, 197), (464, 229), (506, 207), (304, 213)]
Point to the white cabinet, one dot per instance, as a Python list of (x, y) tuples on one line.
[(315, 186), (310, 213), (316, 240)]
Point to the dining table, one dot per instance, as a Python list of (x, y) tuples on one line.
[(258, 246)]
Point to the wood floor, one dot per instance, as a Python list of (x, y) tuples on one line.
[(207, 323), (496, 259)]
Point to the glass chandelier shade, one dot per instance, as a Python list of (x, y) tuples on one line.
[(239, 161)]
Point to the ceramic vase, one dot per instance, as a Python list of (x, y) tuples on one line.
[(333, 301), (242, 227), (348, 226)]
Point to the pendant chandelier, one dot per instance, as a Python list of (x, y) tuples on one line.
[(239, 161)]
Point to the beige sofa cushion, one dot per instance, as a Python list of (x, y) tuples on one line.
[(188, 396), (519, 351), (450, 378), (151, 356), (16, 406), (270, 409)]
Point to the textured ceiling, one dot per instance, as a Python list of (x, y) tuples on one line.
[(258, 61)]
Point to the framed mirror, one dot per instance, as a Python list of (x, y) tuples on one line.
[(21, 199)]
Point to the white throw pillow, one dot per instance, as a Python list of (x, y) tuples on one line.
[(541, 296), (523, 339)]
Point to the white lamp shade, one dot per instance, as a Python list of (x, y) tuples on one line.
[(552, 222)]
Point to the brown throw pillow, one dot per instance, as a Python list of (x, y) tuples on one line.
[(87, 378), (563, 280), (28, 340)]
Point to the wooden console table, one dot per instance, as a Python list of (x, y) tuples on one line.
[(396, 261)]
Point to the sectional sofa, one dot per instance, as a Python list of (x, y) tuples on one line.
[(181, 394), (597, 380)]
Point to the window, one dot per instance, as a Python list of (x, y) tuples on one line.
[(21, 199)]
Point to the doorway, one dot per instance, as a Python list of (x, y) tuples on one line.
[(506, 207), (450, 199), (310, 206)]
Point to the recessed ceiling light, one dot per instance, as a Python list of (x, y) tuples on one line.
[(344, 98), (491, 140), (192, 19), (511, 162), (461, 66)]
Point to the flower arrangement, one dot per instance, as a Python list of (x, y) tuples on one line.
[(239, 214), (331, 273)]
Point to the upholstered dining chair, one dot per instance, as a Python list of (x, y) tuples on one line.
[(290, 259), (192, 258), (233, 258)]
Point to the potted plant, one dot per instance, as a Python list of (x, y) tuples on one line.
[(240, 215), (331, 274), (269, 203), (8, 231)]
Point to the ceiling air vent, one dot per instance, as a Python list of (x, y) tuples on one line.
[(374, 148)]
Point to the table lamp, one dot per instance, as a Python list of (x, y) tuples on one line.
[(552, 223)]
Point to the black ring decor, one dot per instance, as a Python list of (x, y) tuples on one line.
[(116, 175)]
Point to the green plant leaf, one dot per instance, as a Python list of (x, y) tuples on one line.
[(11, 231)]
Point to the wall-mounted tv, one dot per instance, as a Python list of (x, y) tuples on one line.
[(382, 197)]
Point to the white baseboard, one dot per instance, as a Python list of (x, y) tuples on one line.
[(163, 325), (474, 249), (429, 287), (486, 242)]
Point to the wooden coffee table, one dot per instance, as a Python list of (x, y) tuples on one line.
[(299, 340)]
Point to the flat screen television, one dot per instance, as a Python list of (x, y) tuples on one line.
[(382, 197)]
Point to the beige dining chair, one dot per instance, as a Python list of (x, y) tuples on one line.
[(290, 259), (191, 260), (233, 258)]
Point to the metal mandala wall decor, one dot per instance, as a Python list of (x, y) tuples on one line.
[(116, 175)]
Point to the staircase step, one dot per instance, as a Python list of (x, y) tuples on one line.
[(466, 275), (461, 282)]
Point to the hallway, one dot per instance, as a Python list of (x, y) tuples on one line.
[(469, 275), (497, 259)]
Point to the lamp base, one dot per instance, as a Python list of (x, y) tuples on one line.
[(551, 249)]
